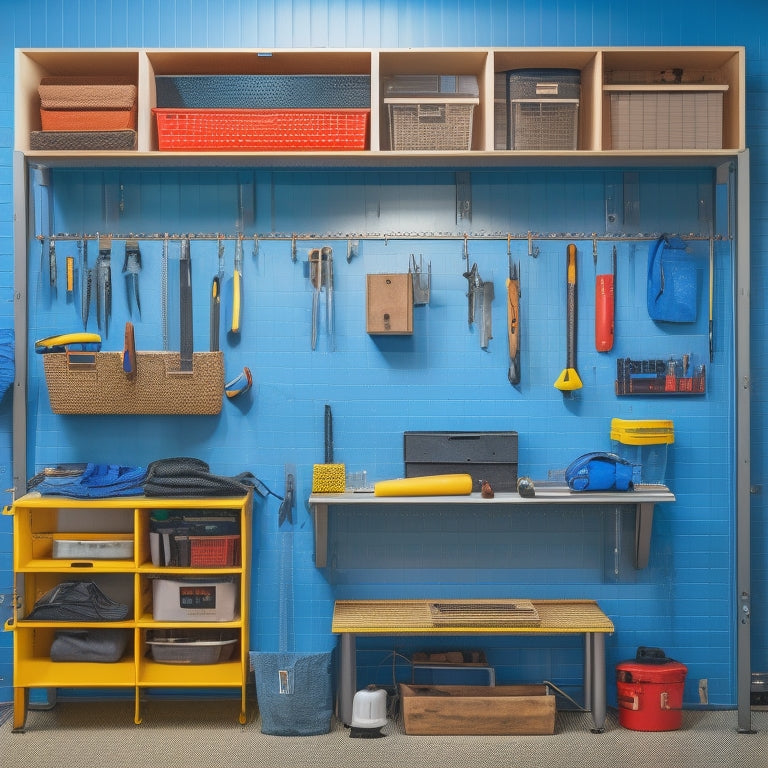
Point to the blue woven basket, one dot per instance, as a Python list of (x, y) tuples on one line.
[(294, 691), (263, 91)]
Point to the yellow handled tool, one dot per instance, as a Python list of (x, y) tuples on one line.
[(58, 342), (237, 286), (569, 379)]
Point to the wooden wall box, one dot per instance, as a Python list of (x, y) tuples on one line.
[(389, 304)]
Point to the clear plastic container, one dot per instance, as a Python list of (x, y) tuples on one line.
[(644, 443)]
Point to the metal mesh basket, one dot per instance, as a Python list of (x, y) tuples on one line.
[(430, 125), (542, 125), (543, 108)]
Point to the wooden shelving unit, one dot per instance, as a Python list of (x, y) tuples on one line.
[(721, 65)]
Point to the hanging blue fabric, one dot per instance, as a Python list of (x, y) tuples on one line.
[(7, 365)]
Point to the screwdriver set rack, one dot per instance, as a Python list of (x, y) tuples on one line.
[(660, 377)]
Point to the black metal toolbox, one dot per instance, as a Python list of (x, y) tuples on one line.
[(490, 456)]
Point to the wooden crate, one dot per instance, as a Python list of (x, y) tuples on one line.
[(463, 710)]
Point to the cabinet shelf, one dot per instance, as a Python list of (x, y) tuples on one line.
[(38, 520), (602, 71)]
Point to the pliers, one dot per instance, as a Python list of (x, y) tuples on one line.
[(131, 269)]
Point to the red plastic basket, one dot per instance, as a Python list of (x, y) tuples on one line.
[(214, 551), (262, 130)]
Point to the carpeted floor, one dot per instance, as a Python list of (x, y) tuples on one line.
[(208, 735)]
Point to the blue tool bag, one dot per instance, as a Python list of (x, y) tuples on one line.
[(7, 365), (599, 471), (672, 286)]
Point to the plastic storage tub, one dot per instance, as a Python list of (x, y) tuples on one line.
[(194, 599), (431, 112), (644, 444), (543, 109), (79, 547), (173, 647)]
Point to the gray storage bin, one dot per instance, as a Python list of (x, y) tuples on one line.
[(490, 456), (543, 109)]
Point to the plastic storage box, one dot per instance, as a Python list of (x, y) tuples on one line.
[(644, 444), (175, 647), (431, 112), (490, 456), (194, 599), (67, 547), (543, 109)]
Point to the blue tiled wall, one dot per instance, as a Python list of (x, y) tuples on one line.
[(439, 378)]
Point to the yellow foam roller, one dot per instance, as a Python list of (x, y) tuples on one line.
[(430, 485)]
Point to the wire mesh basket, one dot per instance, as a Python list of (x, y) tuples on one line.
[(430, 125), (543, 125), (543, 109)]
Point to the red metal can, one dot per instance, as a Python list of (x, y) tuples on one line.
[(650, 696)]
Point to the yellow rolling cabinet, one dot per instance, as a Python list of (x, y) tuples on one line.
[(107, 541)]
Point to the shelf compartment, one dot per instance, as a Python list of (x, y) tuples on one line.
[(32, 66), (44, 673), (227, 674), (641, 74)]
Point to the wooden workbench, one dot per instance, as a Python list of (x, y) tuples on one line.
[(414, 617)]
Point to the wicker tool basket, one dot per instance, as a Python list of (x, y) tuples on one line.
[(157, 388)]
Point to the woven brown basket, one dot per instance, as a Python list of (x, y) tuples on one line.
[(157, 388), (86, 93), (92, 140), (88, 119)]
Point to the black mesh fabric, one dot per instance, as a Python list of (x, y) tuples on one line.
[(77, 601), (189, 477)]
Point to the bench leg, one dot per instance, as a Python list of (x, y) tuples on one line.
[(594, 678), (347, 676)]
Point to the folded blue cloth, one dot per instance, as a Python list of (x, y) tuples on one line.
[(7, 362), (97, 481)]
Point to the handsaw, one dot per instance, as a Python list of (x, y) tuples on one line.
[(185, 307)]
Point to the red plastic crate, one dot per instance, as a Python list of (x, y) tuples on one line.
[(262, 130), (214, 551)]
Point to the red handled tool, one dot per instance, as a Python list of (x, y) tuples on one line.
[(605, 308)]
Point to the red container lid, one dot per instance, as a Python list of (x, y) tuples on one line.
[(669, 672)]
